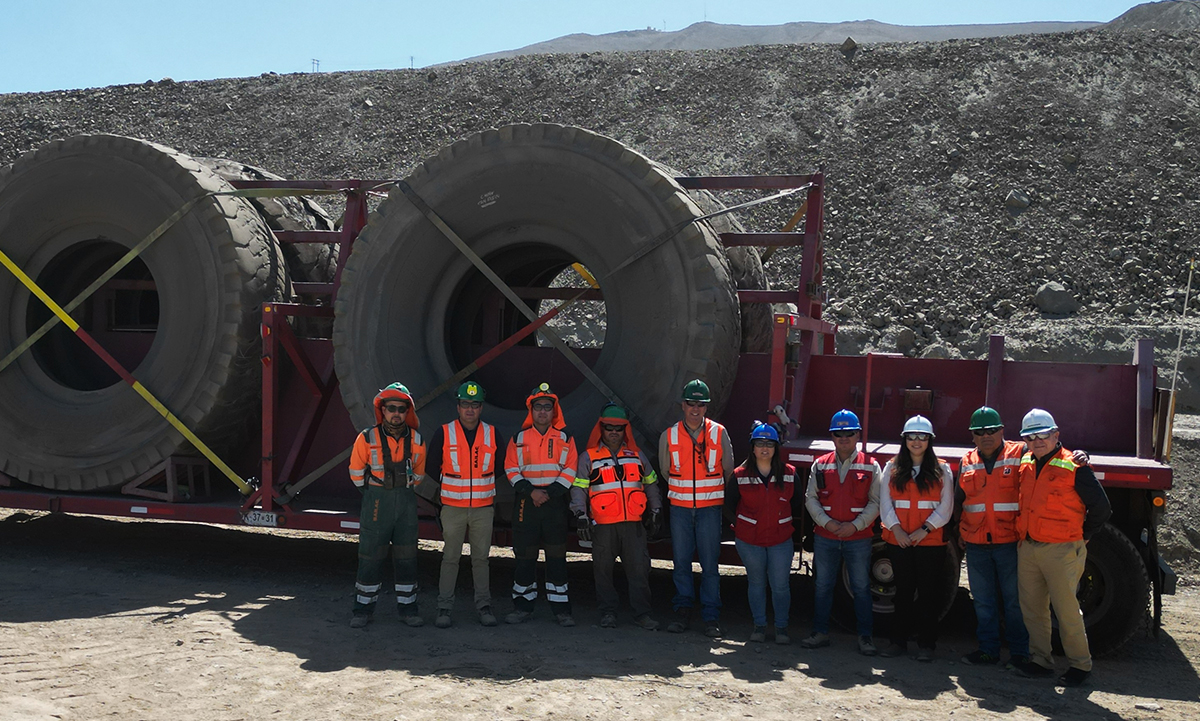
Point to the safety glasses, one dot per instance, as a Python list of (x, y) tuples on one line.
[(986, 431), (763, 443), (607, 428), (844, 434), (395, 408), (543, 406), (916, 436), (470, 404), (696, 404), (1044, 435)]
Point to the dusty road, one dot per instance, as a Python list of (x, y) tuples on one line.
[(141, 620)]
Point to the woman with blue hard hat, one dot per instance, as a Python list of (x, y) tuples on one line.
[(760, 493), (916, 501)]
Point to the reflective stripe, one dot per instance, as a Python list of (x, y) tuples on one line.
[(901, 503), (789, 479), (674, 437), (827, 508), (748, 481), (928, 505), (746, 519), (406, 587), (675, 458), (452, 441), (1014, 507), (976, 507), (556, 589), (1007, 462), (557, 598), (785, 520), (712, 460), (468, 495), (971, 467), (857, 510), (870, 467), (1062, 463), (367, 589), (825, 466), (366, 600), (487, 459)]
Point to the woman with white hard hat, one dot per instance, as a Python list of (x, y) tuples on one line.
[(916, 501)]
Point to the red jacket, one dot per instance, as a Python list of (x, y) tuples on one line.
[(764, 511)]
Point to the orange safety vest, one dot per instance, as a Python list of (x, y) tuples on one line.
[(1051, 510), (696, 478), (468, 471), (411, 443), (989, 513), (913, 508), (542, 459), (843, 501), (615, 490)]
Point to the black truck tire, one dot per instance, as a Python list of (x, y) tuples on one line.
[(1114, 593), (68, 210), (883, 589), (531, 199)]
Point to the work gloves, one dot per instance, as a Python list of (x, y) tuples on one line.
[(583, 527), (653, 523)]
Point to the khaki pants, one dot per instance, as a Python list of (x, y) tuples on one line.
[(475, 525), (1048, 575)]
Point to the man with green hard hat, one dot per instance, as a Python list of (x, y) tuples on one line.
[(698, 457), (462, 461)]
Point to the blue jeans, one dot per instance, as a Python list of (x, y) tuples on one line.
[(697, 531), (992, 573), (828, 556), (768, 564)]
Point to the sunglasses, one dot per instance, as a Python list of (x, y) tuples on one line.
[(762, 443), (916, 436), (395, 408), (543, 406), (470, 404), (986, 431), (844, 434), (611, 429), (696, 404), (1043, 436)]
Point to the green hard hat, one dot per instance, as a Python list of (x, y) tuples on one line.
[(697, 390), (397, 387), (471, 391), (613, 411), (985, 417)]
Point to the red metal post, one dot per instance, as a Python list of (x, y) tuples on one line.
[(779, 338), (1143, 358), (269, 386), (866, 417), (995, 371)]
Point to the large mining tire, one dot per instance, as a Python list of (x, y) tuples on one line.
[(883, 589), (532, 199), (1114, 592), (67, 212)]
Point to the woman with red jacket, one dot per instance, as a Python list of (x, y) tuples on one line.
[(761, 490), (916, 501)]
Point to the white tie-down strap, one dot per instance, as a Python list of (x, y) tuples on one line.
[(975, 507), (747, 519), (406, 593), (1014, 507), (556, 594), (529, 593)]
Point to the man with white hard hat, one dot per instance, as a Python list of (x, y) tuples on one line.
[(1062, 505)]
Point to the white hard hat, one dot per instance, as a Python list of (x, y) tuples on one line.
[(918, 424), (1037, 421)]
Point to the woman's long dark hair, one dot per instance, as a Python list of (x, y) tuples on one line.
[(751, 463), (902, 467)]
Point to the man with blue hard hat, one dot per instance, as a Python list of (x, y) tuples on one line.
[(843, 500)]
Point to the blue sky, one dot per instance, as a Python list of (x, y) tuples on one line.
[(61, 44)]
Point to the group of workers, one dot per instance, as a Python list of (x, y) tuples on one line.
[(1024, 511)]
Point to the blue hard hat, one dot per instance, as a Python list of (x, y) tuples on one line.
[(764, 430), (844, 420)]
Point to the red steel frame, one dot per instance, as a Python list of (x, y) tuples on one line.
[(800, 375)]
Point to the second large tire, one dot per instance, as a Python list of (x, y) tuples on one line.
[(530, 200), (68, 211)]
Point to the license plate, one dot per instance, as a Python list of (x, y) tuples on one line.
[(261, 518)]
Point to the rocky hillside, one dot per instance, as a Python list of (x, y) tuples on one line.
[(963, 175)]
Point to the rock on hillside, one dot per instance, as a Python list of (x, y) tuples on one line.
[(1171, 15), (923, 143)]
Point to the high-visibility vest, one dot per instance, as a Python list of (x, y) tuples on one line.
[(615, 490), (843, 500), (764, 510), (411, 448), (1051, 510), (696, 478), (989, 513), (541, 459), (913, 508), (468, 471)]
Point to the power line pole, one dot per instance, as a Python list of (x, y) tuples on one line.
[(316, 65)]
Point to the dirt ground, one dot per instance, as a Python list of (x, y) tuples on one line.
[(106, 618)]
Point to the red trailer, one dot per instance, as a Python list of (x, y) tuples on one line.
[(298, 476)]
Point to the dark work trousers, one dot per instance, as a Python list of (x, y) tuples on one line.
[(543, 527), (627, 540), (920, 587), (388, 518)]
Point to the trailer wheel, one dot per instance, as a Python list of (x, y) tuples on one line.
[(883, 589), (183, 317), (532, 200), (1114, 592)]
